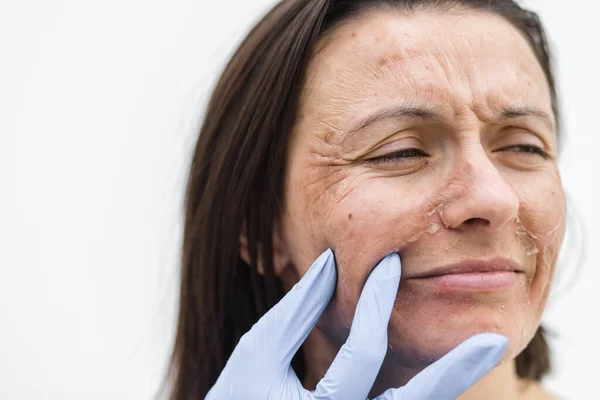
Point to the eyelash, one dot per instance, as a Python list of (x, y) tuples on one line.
[(395, 156), (414, 152), (527, 148)]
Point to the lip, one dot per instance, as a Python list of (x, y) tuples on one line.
[(498, 273)]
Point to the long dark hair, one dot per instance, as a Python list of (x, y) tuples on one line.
[(236, 182)]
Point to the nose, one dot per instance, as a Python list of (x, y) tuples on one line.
[(479, 196)]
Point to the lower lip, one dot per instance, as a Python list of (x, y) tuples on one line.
[(481, 281)]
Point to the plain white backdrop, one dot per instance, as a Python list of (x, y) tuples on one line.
[(99, 109)]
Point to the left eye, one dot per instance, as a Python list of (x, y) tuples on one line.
[(526, 148)]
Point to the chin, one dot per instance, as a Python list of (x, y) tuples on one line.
[(418, 340)]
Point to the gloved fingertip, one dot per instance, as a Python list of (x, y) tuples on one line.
[(388, 267), (324, 264), (489, 343)]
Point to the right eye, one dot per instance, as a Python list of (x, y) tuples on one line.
[(398, 156)]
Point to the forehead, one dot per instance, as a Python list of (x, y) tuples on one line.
[(453, 60)]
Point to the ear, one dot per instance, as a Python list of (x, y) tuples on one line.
[(281, 258)]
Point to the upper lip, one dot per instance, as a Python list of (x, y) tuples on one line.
[(496, 264)]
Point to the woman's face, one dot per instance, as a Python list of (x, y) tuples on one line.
[(426, 135)]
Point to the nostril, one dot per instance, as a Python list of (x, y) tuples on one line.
[(477, 221)]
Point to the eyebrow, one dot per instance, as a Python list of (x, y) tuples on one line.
[(516, 112), (430, 115), (398, 113)]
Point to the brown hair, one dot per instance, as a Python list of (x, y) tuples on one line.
[(237, 174)]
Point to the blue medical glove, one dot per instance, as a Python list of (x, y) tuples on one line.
[(259, 367)]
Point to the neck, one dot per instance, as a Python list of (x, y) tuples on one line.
[(502, 382)]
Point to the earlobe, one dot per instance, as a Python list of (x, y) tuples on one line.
[(245, 252), (282, 262), (281, 259)]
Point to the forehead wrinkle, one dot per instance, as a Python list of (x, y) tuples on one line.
[(353, 74), (452, 92)]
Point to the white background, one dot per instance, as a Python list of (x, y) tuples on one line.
[(99, 107)]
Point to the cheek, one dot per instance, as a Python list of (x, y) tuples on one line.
[(311, 192), (542, 216), (373, 218), (542, 207), (360, 216)]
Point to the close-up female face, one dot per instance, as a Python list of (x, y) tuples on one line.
[(431, 135)]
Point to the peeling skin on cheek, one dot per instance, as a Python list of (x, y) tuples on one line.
[(548, 242), (529, 237)]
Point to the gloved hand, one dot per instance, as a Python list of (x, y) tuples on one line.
[(259, 367)]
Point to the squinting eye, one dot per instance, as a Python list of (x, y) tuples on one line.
[(527, 149), (398, 156)]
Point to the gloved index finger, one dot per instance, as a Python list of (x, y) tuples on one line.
[(354, 369), (278, 335)]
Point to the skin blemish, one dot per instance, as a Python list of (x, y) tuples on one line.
[(350, 216), (436, 209), (526, 237), (433, 229), (446, 224), (412, 239), (439, 210)]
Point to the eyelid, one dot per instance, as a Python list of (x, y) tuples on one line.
[(397, 144), (529, 131)]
